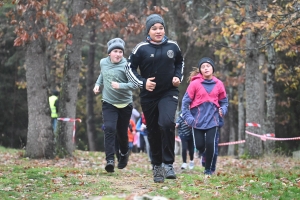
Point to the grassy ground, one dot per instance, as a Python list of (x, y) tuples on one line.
[(84, 177)]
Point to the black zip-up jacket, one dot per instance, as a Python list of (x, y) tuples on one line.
[(183, 129), (163, 61)]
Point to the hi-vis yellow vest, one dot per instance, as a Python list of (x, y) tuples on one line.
[(52, 100)]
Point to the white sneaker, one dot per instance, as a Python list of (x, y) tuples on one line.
[(191, 166), (183, 166)]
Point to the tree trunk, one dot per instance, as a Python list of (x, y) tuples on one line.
[(169, 17), (261, 62), (90, 118), (224, 136), (68, 95), (50, 53), (40, 135), (253, 107), (174, 34), (269, 119), (241, 111), (51, 68), (270, 98), (142, 6), (231, 123)]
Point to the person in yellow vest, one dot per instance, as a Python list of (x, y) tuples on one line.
[(53, 103)]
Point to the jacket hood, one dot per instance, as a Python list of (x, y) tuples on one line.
[(164, 41), (199, 76), (202, 80), (122, 61)]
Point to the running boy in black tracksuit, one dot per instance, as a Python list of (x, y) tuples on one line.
[(161, 66)]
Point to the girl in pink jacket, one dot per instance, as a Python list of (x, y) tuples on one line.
[(204, 101)]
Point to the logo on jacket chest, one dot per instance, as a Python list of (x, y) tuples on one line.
[(170, 53)]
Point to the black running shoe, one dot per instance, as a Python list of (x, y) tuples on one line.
[(169, 171), (158, 174), (123, 160), (110, 165)]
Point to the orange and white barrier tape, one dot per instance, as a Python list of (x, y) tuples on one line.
[(230, 143), (253, 124), (265, 137), (74, 124), (270, 135), (69, 119)]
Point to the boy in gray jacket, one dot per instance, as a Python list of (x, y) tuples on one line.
[(116, 103)]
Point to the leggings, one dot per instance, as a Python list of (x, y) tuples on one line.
[(187, 143), (205, 140)]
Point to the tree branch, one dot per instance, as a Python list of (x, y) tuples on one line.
[(93, 43)]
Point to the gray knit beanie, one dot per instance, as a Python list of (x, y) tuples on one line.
[(153, 19), (206, 60), (116, 43)]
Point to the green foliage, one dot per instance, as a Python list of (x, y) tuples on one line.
[(13, 107), (245, 155), (59, 150), (81, 135)]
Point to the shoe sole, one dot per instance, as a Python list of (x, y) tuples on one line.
[(160, 181), (170, 177), (109, 168), (121, 167)]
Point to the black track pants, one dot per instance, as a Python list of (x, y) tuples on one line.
[(160, 116), (116, 122)]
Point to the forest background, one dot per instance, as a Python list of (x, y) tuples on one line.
[(57, 44)]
